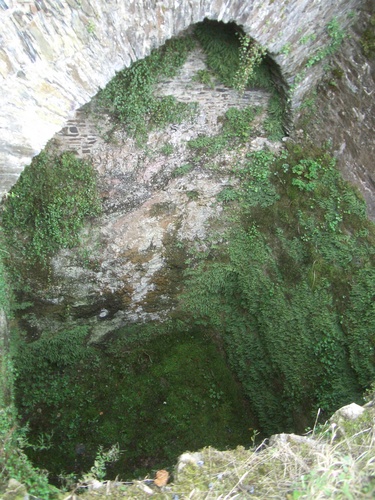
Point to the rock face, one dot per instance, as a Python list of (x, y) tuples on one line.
[(345, 110), (158, 201), (54, 56)]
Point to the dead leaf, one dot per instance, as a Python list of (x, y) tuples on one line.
[(161, 478)]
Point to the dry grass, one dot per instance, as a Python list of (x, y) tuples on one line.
[(336, 462)]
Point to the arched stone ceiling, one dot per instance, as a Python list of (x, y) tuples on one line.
[(56, 54)]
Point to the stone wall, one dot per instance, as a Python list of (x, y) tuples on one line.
[(344, 109), (55, 55), (157, 203)]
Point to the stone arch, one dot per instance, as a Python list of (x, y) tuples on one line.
[(54, 56)]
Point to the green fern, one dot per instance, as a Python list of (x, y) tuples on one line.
[(47, 207), (221, 45), (129, 95), (292, 291)]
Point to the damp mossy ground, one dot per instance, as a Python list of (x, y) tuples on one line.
[(155, 398)]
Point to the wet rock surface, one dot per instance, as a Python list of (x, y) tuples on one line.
[(158, 200)]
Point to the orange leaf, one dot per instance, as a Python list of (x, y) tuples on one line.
[(161, 478)]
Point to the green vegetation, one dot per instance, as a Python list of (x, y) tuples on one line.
[(307, 38), (336, 36), (13, 461), (237, 123), (183, 170), (5, 291), (236, 129), (241, 63), (233, 58), (236, 60), (273, 124), (91, 28), (368, 38), (155, 393), (192, 195), (331, 462), (204, 76), (250, 57), (221, 45), (129, 95), (285, 49), (47, 207), (227, 195), (322, 465), (167, 149), (285, 301), (291, 293)]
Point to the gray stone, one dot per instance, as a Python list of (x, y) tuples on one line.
[(348, 412), (133, 255), (68, 50), (15, 491), (278, 440), (342, 417)]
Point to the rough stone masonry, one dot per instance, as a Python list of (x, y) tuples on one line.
[(55, 55)]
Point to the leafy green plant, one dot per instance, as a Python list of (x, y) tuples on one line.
[(157, 376), (221, 45), (307, 38), (273, 124), (227, 195), (5, 289), (285, 49), (90, 26), (205, 77), (250, 57), (129, 95), (98, 470), (256, 183), (236, 60), (192, 195), (14, 464), (306, 174), (236, 129), (336, 35), (290, 285), (238, 123), (167, 149), (47, 207), (240, 62), (183, 170), (210, 145)]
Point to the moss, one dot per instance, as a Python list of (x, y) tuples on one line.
[(368, 38), (172, 380), (14, 464), (162, 208), (289, 266), (192, 195), (286, 297), (129, 96), (290, 467), (168, 281), (338, 73), (45, 212)]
